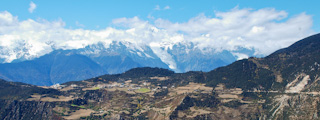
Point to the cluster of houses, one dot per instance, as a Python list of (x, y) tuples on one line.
[(131, 87), (119, 85), (57, 86)]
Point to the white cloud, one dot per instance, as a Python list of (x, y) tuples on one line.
[(166, 7), (157, 7), (264, 30), (32, 7)]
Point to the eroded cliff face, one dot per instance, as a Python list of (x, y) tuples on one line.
[(295, 107), (299, 100), (26, 110)]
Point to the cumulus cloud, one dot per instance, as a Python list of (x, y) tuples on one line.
[(32, 7), (264, 30)]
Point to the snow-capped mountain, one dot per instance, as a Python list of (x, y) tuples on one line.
[(179, 57), (112, 58), (118, 57)]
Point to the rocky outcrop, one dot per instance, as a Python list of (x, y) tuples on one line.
[(27, 110)]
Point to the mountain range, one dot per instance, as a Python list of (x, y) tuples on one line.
[(283, 85), (60, 66)]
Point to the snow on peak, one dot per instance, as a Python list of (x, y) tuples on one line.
[(164, 55), (240, 56)]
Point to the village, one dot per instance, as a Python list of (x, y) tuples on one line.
[(126, 86), (141, 87)]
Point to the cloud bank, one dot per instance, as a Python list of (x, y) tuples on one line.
[(264, 30)]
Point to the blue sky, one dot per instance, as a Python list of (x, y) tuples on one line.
[(99, 14)]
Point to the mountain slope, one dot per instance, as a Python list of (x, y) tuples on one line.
[(118, 57), (279, 68), (179, 57), (57, 67), (13, 105)]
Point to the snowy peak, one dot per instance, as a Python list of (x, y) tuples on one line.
[(175, 55)]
